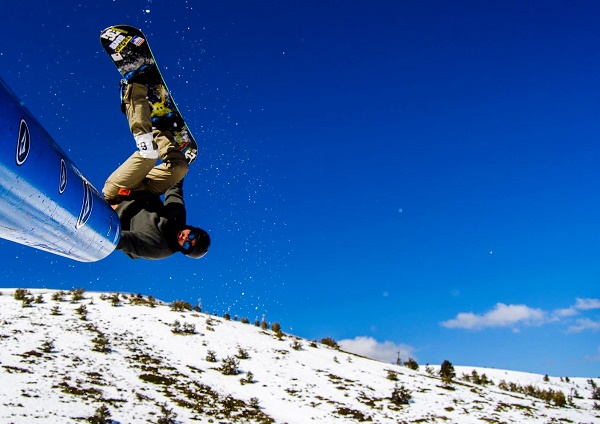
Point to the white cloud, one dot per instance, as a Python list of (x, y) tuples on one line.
[(584, 324), (501, 316), (580, 305), (587, 304), (566, 312), (383, 351)]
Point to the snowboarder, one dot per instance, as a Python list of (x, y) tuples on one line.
[(152, 228)]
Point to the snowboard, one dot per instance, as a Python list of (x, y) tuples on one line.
[(129, 49)]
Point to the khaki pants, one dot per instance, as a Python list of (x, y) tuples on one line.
[(138, 173)]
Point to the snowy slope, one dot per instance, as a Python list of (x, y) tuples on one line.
[(53, 370)]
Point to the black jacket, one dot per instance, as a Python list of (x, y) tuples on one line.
[(149, 225)]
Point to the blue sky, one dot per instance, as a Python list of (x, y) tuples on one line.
[(421, 176)]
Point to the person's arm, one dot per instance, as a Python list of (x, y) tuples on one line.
[(174, 204), (143, 245)]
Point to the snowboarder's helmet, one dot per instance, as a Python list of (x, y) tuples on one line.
[(201, 246)]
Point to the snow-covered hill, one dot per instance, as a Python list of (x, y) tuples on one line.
[(120, 358)]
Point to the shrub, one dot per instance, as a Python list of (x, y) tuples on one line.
[(27, 301), (296, 345), (77, 295), (167, 415), (264, 325), (412, 364), (211, 356), (226, 316), (559, 399), (242, 353), (82, 311), (102, 416), (186, 328), (48, 346), (248, 380), (245, 320), (400, 395), (58, 296), (55, 310), (101, 344), (328, 341), (276, 327), (392, 375), (21, 294), (447, 372), (229, 366), (181, 306)]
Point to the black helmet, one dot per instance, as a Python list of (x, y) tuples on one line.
[(201, 246)]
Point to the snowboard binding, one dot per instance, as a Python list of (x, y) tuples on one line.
[(172, 121)]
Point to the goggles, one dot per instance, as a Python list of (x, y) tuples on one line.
[(187, 244)]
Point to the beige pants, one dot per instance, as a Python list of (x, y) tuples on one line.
[(139, 173)]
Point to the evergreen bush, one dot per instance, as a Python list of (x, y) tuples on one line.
[(102, 416), (328, 341), (400, 395), (412, 364), (181, 306)]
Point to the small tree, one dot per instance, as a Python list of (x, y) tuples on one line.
[(248, 380), (559, 399), (101, 344), (242, 353), (167, 415), (102, 416), (412, 364), (48, 346), (77, 295), (82, 312), (328, 341), (211, 356), (230, 366), (21, 294), (181, 306), (296, 344), (447, 372), (58, 296), (400, 395)]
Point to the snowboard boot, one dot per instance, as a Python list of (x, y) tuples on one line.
[(172, 121), (145, 75)]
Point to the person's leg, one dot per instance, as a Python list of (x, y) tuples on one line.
[(133, 171), (173, 168)]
